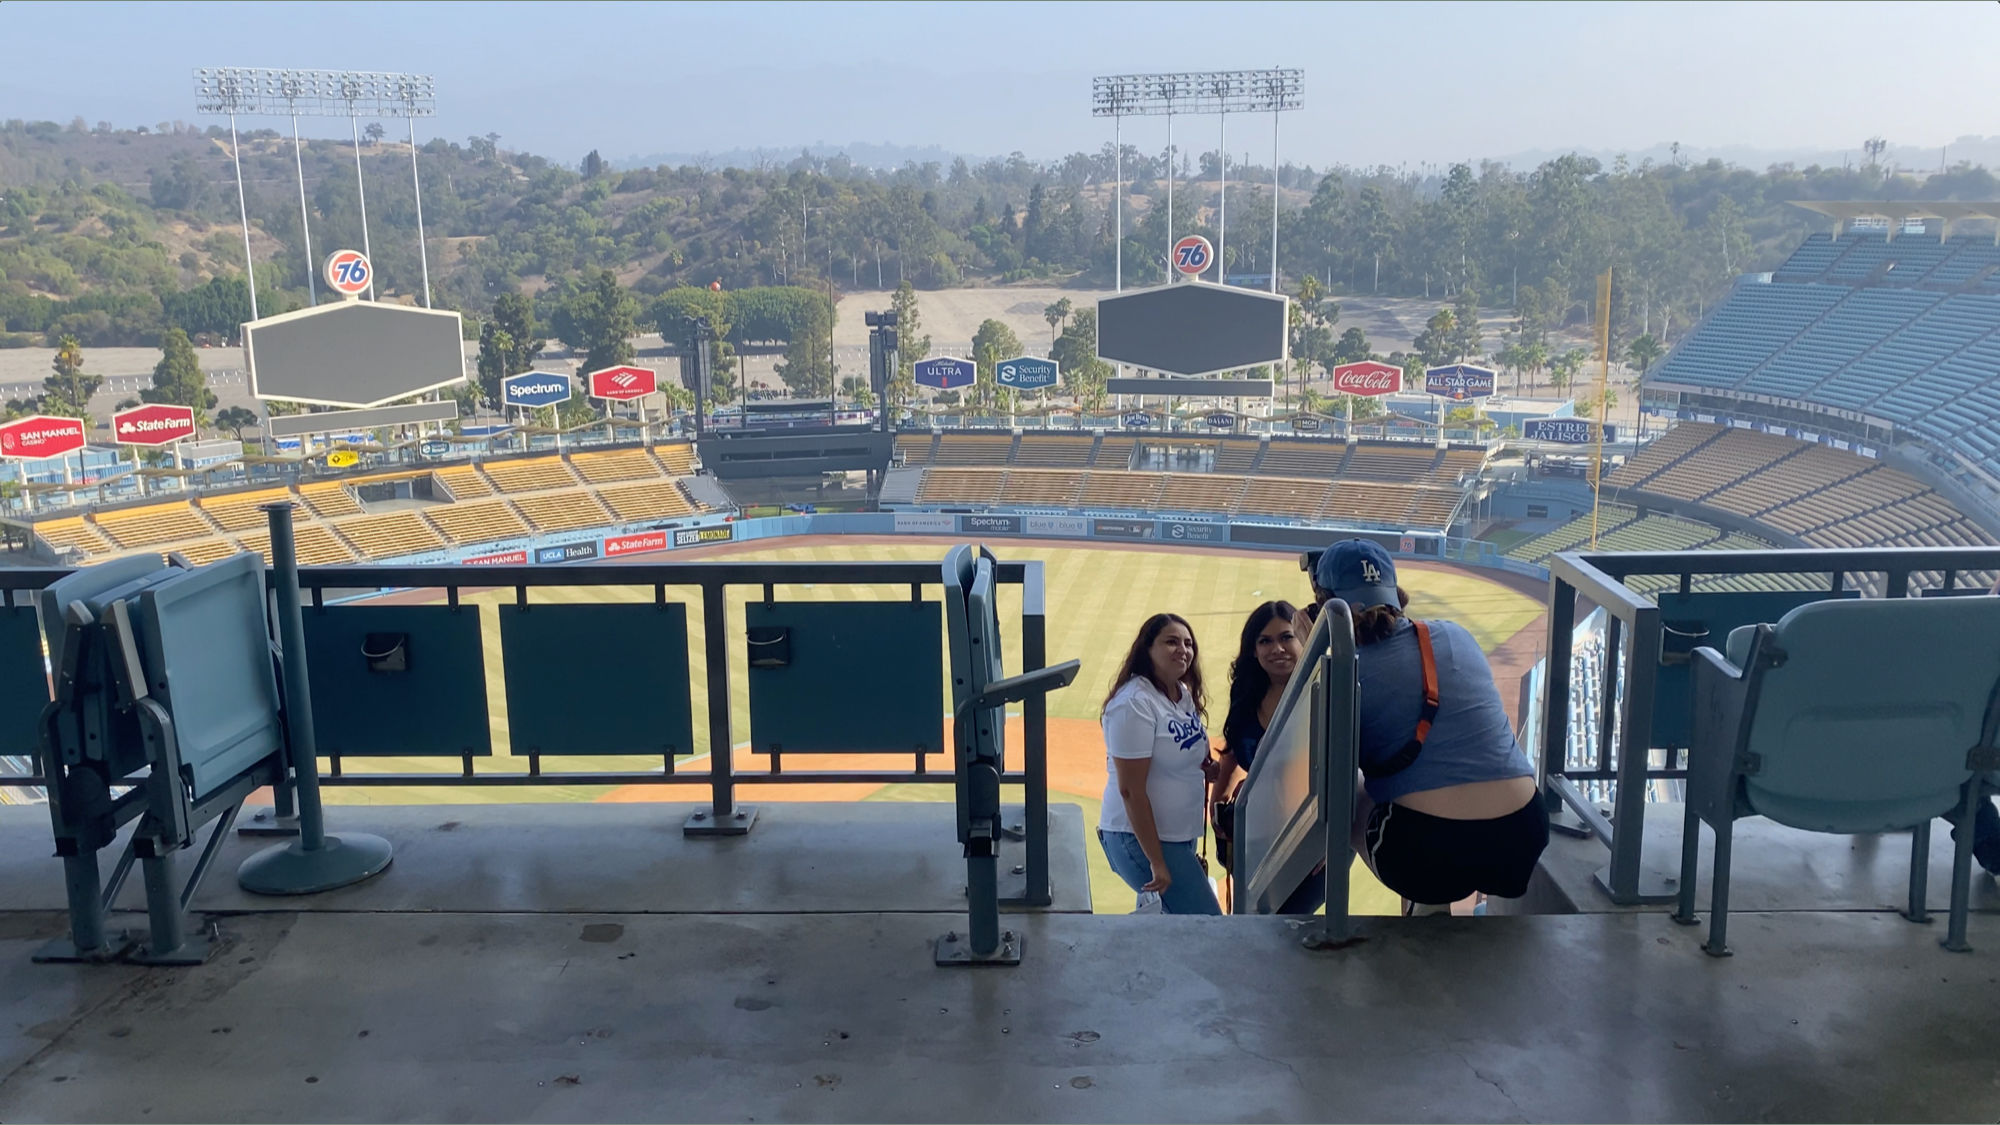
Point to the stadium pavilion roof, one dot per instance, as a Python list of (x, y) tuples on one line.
[(1843, 211)]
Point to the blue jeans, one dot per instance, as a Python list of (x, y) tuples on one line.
[(1189, 893)]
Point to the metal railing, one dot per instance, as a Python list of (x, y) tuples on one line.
[(1624, 697), (1295, 812), (712, 583)]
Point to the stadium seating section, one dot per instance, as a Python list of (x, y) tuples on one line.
[(471, 504), (1905, 330), (1388, 483)]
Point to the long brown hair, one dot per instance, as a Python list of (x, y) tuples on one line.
[(1378, 621), (1139, 661), (1248, 682)]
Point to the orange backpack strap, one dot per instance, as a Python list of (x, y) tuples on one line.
[(1401, 760)]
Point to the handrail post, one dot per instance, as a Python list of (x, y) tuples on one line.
[(723, 817), (1035, 738), (1625, 878), (314, 861), (1336, 733)]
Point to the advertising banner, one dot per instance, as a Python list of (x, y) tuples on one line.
[(1193, 532), (943, 373), (1138, 420), (696, 536), (1566, 431), (567, 552), (1221, 420), (616, 545), (536, 388), (1056, 525), (1367, 378), (1460, 381), (1123, 529), (1026, 372), (40, 435), (990, 525), (504, 558), (153, 424), (925, 523), (623, 383)]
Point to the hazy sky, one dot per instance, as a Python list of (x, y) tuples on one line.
[(1385, 83)]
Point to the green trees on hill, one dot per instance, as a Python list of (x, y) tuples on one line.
[(178, 379), (66, 392)]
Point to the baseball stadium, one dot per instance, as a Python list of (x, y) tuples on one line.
[(792, 727)]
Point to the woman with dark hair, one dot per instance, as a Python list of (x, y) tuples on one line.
[(1451, 807), (1268, 652), (1155, 750)]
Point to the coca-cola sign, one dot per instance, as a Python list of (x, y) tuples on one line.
[(1367, 378)]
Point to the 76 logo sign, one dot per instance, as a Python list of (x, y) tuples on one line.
[(348, 272), (1193, 255)]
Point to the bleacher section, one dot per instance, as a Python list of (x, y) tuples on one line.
[(315, 543), (153, 525), (1306, 459), (677, 457), (329, 499), (464, 482), (1053, 452), (915, 449), (1826, 497), (564, 511), (968, 486), (973, 449), (1905, 330), (479, 522), (1046, 488), (388, 535), (72, 533), (535, 474), (1201, 492), (539, 494), (649, 501)]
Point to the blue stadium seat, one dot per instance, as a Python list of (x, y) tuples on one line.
[(1846, 717)]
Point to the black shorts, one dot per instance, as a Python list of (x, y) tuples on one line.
[(1431, 860)]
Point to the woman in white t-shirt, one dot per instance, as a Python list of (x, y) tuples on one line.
[(1155, 746)]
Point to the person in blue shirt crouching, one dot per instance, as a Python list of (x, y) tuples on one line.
[(1450, 807)]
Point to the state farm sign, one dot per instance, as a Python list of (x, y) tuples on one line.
[(623, 383), (155, 424), (617, 545), (39, 436), (1367, 378)]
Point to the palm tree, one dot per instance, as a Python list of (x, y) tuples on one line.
[(1055, 314), (1644, 351)]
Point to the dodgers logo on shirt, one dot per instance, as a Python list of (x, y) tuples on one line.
[(1186, 732)]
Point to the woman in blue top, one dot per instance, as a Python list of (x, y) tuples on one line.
[(1267, 654), (1451, 805)]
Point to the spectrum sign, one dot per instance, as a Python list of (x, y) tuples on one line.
[(535, 389)]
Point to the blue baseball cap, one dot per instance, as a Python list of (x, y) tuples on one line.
[(1358, 572)]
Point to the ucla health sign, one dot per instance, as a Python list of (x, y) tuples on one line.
[(535, 388), (1459, 381), (943, 373), (1028, 373), (1566, 431)]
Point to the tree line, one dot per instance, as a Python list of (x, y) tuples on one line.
[(87, 258)]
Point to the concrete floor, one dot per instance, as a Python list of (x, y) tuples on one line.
[(582, 968)]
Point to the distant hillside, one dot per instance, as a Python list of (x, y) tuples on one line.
[(878, 157)]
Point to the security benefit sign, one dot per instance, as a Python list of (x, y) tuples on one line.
[(696, 536), (1028, 373), (535, 389), (1565, 431), (944, 373), (1459, 381)]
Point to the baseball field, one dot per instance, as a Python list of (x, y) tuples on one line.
[(1096, 598)]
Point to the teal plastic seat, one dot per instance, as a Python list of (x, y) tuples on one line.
[(1846, 717)]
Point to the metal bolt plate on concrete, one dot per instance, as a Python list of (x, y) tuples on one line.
[(955, 949), (704, 823)]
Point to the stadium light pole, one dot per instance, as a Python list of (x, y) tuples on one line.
[(350, 89), (1221, 92), (222, 93), (229, 91)]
